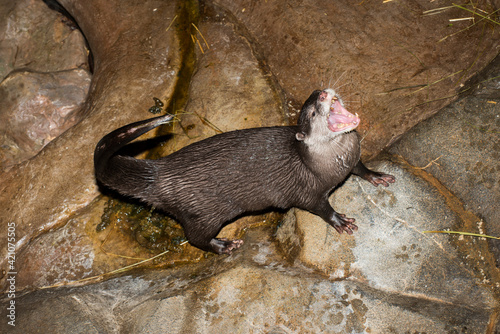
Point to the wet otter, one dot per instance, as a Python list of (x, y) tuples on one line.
[(208, 183)]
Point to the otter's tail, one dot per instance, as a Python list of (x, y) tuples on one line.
[(126, 175)]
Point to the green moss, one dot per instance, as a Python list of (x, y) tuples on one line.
[(151, 229)]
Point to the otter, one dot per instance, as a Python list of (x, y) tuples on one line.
[(209, 183)]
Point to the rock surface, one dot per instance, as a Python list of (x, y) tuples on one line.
[(460, 148), (253, 291), (44, 78), (57, 182), (387, 60), (237, 64), (38, 108), (37, 39)]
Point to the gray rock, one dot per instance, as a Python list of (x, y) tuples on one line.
[(252, 291), (460, 148)]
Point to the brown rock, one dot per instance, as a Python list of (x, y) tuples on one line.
[(41, 194), (386, 60), (36, 38), (38, 107)]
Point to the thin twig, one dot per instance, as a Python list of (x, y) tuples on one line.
[(171, 22), (208, 47), (464, 233), (476, 13), (430, 163), (101, 276)]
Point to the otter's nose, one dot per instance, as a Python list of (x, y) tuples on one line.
[(322, 96)]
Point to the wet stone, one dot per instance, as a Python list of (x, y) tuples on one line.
[(253, 64)]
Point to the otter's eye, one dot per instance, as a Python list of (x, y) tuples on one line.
[(313, 114)]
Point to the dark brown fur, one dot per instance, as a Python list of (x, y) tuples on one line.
[(208, 183)]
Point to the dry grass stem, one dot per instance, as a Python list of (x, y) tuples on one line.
[(197, 41), (206, 43), (461, 19), (437, 81), (464, 233), (171, 22), (436, 10), (203, 120), (100, 277), (430, 163), (476, 13)]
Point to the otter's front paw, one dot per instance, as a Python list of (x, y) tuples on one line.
[(343, 224), (379, 178)]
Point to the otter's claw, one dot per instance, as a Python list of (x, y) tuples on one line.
[(225, 246), (379, 178), (343, 224)]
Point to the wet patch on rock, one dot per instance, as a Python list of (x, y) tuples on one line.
[(255, 65), (56, 183)]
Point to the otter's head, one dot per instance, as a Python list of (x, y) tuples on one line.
[(324, 117)]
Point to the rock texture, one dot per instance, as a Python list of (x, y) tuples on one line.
[(54, 184), (460, 148), (253, 291), (44, 78), (387, 60), (38, 108), (234, 64)]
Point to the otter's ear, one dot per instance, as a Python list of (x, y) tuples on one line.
[(300, 136)]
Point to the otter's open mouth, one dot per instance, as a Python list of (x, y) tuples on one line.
[(341, 120)]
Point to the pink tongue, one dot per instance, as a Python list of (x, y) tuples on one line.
[(340, 119)]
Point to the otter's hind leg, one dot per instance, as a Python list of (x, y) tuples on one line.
[(203, 236), (225, 246)]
